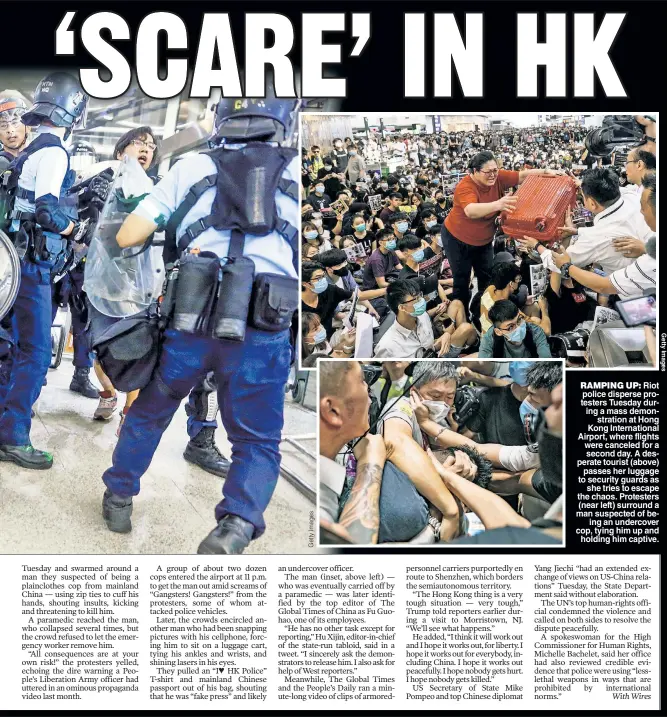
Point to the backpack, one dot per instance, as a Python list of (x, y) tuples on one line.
[(246, 181)]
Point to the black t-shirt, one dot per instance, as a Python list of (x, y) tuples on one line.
[(318, 202), (498, 419), (327, 302), (378, 264), (571, 308)]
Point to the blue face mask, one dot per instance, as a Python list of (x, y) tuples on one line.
[(431, 224), (320, 285), (518, 335), (418, 255), (319, 190), (527, 409), (519, 371), (391, 244), (402, 227), (319, 336), (419, 308), (310, 235), (360, 228), (436, 181)]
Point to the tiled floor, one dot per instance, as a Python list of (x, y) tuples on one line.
[(59, 511)]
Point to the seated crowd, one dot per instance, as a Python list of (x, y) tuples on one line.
[(421, 250)]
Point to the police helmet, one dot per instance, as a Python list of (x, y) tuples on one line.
[(60, 99), (268, 120), (11, 108), (82, 155)]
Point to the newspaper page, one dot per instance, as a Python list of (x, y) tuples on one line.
[(221, 491)]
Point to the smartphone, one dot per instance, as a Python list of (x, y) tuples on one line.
[(642, 310)]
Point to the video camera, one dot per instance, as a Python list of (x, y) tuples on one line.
[(616, 133), (466, 404)]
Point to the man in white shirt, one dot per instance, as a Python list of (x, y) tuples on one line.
[(614, 217), (636, 278)]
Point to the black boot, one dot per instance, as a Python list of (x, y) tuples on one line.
[(81, 383), (27, 457), (202, 451), (116, 511), (231, 537)]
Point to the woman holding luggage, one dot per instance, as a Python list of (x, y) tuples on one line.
[(468, 230)]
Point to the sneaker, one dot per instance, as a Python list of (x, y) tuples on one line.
[(231, 537), (105, 408), (26, 457), (202, 451), (116, 511), (81, 383)]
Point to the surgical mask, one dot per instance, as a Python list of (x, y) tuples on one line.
[(519, 334), (527, 409), (353, 152), (418, 255), (328, 167), (431, 224), (419, 308), (360, 228), (440, 200), (438, 410), (341, 272), (384, 186), (310, 235), (320, 285), (318, 337), (402, 227), (391, 244), (319, 189), (519, 372), (436, 181)]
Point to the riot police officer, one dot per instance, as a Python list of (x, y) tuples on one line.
[(42, 233), (208, 211)]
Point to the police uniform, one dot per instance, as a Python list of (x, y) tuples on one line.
[(250, 375), (39, 216), (44, 174)]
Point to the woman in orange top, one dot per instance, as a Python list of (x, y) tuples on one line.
[(467, 233)]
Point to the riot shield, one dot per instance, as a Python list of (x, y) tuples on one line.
[(10, 274), (121, 282)]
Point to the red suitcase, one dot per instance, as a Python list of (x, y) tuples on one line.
[(541, 207)]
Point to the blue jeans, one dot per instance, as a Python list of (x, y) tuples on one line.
[(31, 324), (251, 379)]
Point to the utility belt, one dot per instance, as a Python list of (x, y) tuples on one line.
[(38, 246), (207, 296)]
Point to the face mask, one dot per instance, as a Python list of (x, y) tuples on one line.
[(419, 308), (436, 181), (431, 224), (360, 228), (438, 410), (384, 186), (527, 409), (440, 200), (518, 335), (319, 189), (311, 235), (418, 255), (352, 153), (402, 227), (519, 371), (391, 245), (341, 272), (328, 167), (320, 285), (318, 337)]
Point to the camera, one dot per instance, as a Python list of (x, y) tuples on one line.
[(616, 131), (466, 404)]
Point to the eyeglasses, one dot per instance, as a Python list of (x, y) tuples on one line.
[(627, 161), (489, 172), (140, 143), (512, 327), (4, 126), (416, 298)]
